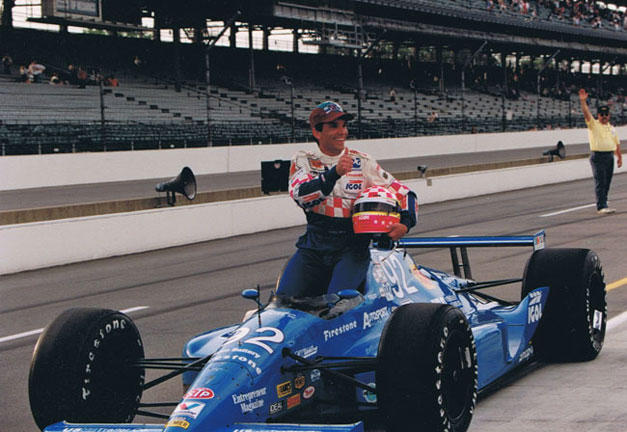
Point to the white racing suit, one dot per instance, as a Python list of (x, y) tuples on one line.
[(330, 256)]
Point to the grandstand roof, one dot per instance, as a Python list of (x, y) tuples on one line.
[(461, 23)]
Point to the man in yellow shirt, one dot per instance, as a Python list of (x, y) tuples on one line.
[(604, 144)]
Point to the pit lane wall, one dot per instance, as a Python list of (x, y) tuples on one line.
[(43, 244)]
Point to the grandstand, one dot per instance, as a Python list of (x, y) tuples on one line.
[(523, 74)]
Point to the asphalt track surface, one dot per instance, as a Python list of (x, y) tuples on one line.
[(176, 293)]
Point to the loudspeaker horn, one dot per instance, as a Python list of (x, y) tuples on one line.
[(184, 183), (559, 151)]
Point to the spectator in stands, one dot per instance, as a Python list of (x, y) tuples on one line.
[(434, 117), (82, 77), (55, 80), (392, 94), (24, 75), (70, 75), (325, 183), (604, 143), (7, 61), (35, 69), (111, 81)]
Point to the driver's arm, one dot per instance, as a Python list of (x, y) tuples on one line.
[(307, 189)]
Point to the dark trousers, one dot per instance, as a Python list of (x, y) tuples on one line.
[(311, 273), (602, 170)]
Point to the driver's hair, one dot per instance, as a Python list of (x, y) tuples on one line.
[(318, 127)]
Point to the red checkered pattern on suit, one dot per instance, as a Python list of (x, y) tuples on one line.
[(335, 207), (401, 193), (300, 180)]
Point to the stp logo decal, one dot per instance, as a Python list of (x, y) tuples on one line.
[(309, 392), (199, 393)]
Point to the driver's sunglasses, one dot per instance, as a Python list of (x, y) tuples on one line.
[(604, 115)]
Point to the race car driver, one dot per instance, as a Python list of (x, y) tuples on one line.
[(325, 183)]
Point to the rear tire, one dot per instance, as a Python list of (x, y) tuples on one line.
[(572, 327), (426, 376), (81, 369)]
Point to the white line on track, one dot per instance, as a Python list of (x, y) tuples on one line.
[(572, 209), (616, 321), (34, 332)]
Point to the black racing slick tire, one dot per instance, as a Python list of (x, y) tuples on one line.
[(84, 369), (426, 375), (573, 322)]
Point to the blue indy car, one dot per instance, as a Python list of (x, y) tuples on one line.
[(410, 351)]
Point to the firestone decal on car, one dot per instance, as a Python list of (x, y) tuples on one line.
[(330, 334)]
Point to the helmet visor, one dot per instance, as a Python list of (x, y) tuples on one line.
[(374, 206)]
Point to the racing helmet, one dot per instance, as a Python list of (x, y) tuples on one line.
[(375, 210)]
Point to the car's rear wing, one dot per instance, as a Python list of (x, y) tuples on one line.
[(537, 241)]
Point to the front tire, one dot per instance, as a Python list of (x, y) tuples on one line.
[(572, 327), (82, 369), (426, 376)]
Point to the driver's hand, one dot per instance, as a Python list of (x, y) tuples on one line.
[(345, 164), (397, 231), (583, 95)]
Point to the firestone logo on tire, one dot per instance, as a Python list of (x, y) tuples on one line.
[(199, 393)]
